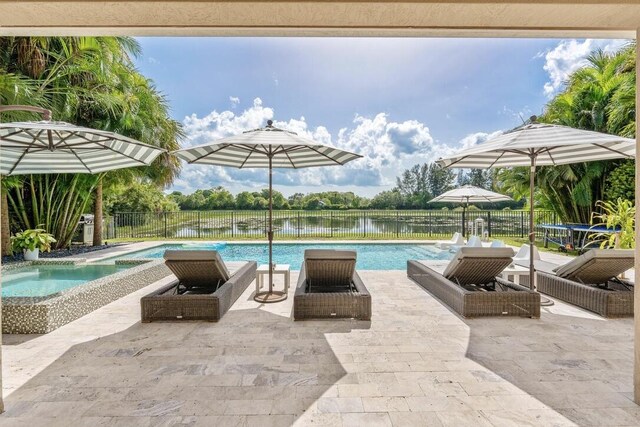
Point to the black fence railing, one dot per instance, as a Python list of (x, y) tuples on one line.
[(292, 224)]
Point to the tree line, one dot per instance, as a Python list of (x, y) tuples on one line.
[(415, 187)]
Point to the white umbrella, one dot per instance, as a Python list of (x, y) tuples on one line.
[(469, 194), (58, 147), (267, 147), (541, 144)]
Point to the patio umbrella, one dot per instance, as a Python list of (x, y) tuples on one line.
[(469, 194), (267, 147), (58, 147), (541, 144)]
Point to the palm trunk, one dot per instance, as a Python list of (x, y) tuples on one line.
[(5, 232), (97, 215)]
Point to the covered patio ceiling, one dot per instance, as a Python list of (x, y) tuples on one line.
[(498, 18)]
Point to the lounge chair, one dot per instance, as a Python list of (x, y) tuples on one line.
[(590, 281), (204, 289), (497, 244), (330, 287), (456, 240), (474, 242), (470, 286)]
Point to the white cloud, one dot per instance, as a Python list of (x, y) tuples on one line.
[(387, 148), (474, 139), (234, 101), (570, 55)]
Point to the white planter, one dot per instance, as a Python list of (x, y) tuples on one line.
[(31, 255)]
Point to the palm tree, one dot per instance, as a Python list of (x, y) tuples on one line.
[(599, 97), (89, 81)]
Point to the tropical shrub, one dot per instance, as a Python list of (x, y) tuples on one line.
[(621, 215), (37, 238)]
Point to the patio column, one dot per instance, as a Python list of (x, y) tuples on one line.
[(636, 302)]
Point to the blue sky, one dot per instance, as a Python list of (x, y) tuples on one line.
[(397, 101)]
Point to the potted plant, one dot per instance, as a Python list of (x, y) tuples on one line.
[(31, 242)]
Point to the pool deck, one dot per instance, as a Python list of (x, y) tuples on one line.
[(415, 363)]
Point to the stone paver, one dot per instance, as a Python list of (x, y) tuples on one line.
[(415, 363)]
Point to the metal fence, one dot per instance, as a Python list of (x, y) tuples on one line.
[(355, 224)]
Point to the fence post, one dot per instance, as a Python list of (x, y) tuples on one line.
[(397, 224), (298, 227), (522, 223), (489, 223), (165, 225), (364, 223), (233, 228), (331, 222), (464, 225)]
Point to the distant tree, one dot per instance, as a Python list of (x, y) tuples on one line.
[(387, 200), (439, 179), (482, 178), (260, 202), (245, 200), (138, 197), (219, 198), (295, 200), (313, 203), (413, 185)]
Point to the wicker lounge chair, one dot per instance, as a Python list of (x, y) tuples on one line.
[(590, 281), (470, 287), (330, 287), (204, 290)]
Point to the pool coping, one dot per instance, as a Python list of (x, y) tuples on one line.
[(40, 315)]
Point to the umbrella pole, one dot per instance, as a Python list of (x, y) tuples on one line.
[(270, 233), (270, 295), (532, 232)]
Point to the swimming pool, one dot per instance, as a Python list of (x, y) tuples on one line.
[(44, 280), (371, 256)]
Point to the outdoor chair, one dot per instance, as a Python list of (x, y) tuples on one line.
[(474, 242), (591, 281), (470, 284), (330, 287), (204, 289), (456, 240)]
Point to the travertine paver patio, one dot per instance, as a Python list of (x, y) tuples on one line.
[(415, 363)]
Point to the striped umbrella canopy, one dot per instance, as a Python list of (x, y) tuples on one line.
[(268, 147), (470, 194), (545, 144), (541, 144), (58, 147)]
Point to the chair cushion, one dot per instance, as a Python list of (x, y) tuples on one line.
[(477, 265), (329, 267), (597, 266), (329, 254), (218, 271)]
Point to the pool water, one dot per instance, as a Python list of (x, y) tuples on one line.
[(44, 280), (371, 256)]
